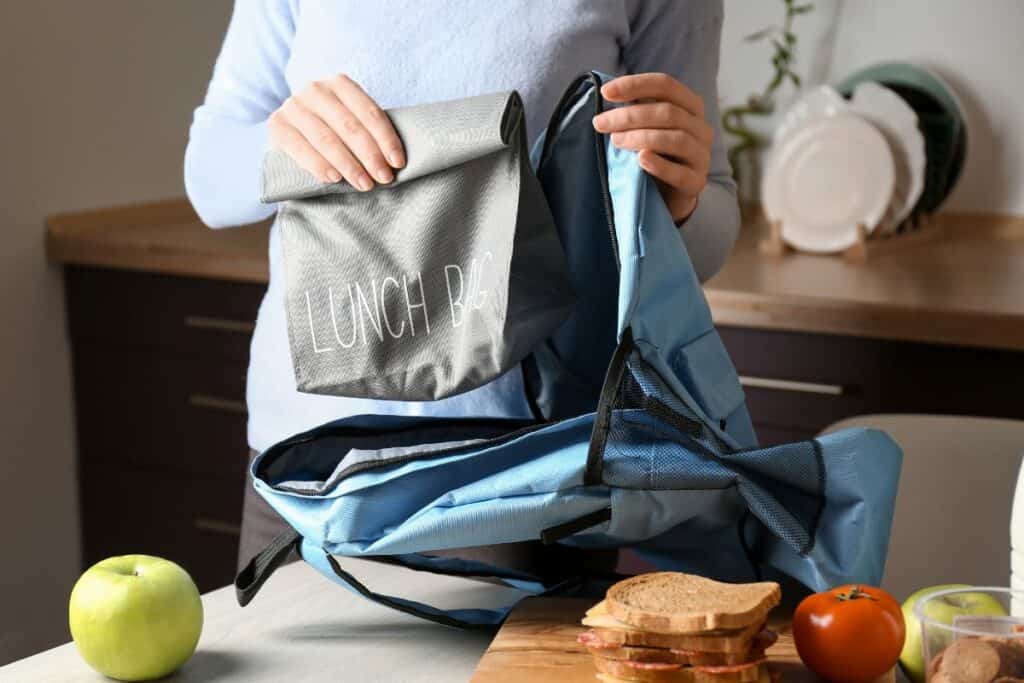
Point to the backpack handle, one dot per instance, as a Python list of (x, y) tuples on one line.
[(251, 578), (468, 618)]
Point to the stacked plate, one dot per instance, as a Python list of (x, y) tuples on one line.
[(879, 158)]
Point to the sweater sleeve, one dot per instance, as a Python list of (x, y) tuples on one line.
[(229, 135), (682, 38)]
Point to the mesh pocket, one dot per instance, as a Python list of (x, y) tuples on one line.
[(654, 441)]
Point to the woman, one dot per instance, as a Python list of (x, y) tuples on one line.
[(312, 78)]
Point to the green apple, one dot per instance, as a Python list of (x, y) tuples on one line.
[(942, 610), (135, 617)]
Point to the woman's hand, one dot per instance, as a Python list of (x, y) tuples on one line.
[(334, 130), (665, 124)]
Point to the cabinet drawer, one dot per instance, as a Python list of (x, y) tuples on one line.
[(848, 362), (802, 383), (925, 378), (190, 520), (146, 310), (147, 409), (802, 411)]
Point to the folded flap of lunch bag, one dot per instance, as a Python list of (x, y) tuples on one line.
[(434, 284), (435, 136)]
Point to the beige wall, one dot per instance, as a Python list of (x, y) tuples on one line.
[(95, 103)]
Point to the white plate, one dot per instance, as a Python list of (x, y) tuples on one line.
[(816, 103), (826, 178), (888, 112)]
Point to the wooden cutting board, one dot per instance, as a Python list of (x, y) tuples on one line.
[(538, 644)]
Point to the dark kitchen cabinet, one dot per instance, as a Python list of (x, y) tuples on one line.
[(159, 368), (799, 383)]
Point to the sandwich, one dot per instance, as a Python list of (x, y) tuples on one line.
[(669, 627)]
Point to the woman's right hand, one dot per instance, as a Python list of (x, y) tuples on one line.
[(334, 130)]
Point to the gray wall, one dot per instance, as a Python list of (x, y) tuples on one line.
[(94, 110)]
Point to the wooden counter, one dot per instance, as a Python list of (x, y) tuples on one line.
[(958, 281), (961, 282), (159, 237)]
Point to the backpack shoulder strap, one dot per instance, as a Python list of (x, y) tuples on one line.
[(251, 578)]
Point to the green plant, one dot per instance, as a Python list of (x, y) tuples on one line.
[(734, 119)]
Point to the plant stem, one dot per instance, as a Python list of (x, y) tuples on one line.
[(734, 119)]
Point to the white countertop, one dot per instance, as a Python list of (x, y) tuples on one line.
[(302, 627)]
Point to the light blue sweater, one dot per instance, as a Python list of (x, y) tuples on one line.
[(414, 51)]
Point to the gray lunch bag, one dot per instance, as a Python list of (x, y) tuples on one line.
[(434, 284)]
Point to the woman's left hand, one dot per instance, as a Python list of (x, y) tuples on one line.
[(665, 124)]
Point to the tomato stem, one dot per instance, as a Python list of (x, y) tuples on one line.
[(856, 594)]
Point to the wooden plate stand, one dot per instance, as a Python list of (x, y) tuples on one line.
[(773, 244)]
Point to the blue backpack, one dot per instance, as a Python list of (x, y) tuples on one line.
[(642, 438)]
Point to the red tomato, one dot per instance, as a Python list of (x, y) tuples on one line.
[(850, 634)]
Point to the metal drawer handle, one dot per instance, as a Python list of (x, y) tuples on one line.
[(791, 385), (201, 322), (216, 526), (224, 405)]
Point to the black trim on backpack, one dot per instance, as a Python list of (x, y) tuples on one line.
[(602, 174), (251, 578), (553, 534), (661, 410), (388, 601), (491, 572), (258, 570), (594, 473), (420, 610)]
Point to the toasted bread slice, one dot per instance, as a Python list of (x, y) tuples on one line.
[(764, 677), (600, 648), (648, 672), (672, 602), (614, 632)]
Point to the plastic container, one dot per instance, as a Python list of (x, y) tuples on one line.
[(943, 621)]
